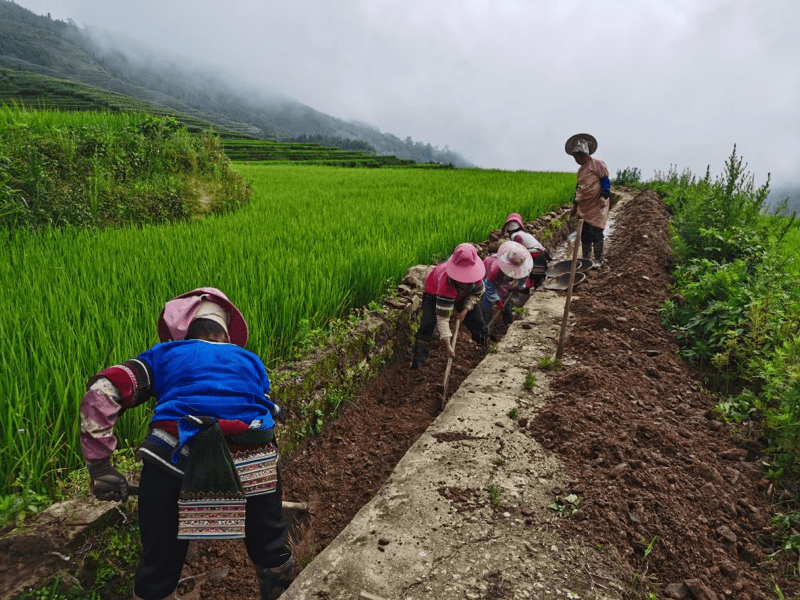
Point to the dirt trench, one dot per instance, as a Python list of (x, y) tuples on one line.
[(661, 482)]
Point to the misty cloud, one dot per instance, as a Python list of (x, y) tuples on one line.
[(503, 82)]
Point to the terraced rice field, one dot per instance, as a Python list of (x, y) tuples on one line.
[(314, 243)]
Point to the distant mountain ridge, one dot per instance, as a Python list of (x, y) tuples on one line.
[(63, 50)]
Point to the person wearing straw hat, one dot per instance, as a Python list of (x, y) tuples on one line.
[(454, 285), (506, 271), (592, 194), (210, 457), (539, 254)]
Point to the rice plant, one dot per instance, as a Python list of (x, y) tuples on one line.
[(314, 243)]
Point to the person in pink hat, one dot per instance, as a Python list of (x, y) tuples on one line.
[(454, 285), (512, 225), (539, 254), (201, 377), (506, 271)]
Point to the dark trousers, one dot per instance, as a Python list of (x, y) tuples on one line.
[(539, 270), (592, 238), (163, 554), (473, 321), (591, 234)]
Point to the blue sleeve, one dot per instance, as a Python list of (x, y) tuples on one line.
[(491, 293), (605, 183)]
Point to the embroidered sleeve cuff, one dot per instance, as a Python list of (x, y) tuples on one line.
[(133, 379)]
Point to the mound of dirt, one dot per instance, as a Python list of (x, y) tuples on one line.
[(659, 478)]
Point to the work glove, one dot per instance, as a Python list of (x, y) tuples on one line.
[(460, 316), (105, 482), (443, 325)]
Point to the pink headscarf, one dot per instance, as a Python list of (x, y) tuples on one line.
[(178, 314)]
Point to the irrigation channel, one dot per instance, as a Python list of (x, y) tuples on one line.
[(608, 478)]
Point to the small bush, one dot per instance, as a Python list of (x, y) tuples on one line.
[(627, 176), (736, 306), (547, 363), (530, 381), (109, 170)]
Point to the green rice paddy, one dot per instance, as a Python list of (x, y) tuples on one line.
[(314, 243)]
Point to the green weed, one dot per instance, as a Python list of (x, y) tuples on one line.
[(547, 363), (628, 176), (494, 494), (530, 381), (305, 558), (566, 507)]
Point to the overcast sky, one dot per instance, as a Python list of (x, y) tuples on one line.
[(506, 82)]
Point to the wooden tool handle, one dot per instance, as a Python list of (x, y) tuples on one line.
[(454, 339)]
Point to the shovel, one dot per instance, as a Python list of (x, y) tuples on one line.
[(443, 388), (494, 320)]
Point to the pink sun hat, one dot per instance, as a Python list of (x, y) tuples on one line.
[(514, 260), (513, 218), (527, 240), (464, 265), (178, 314)]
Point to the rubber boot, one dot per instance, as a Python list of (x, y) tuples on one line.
[(587, 250), (273, 582), (598, 253), (419, 354)]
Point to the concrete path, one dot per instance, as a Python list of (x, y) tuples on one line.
[(464, 514)]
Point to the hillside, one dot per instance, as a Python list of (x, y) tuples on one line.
[(59, 49)]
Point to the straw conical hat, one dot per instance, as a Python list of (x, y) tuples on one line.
[(585, 140)]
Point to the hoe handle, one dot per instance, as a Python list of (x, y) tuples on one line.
[(453, 341)]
